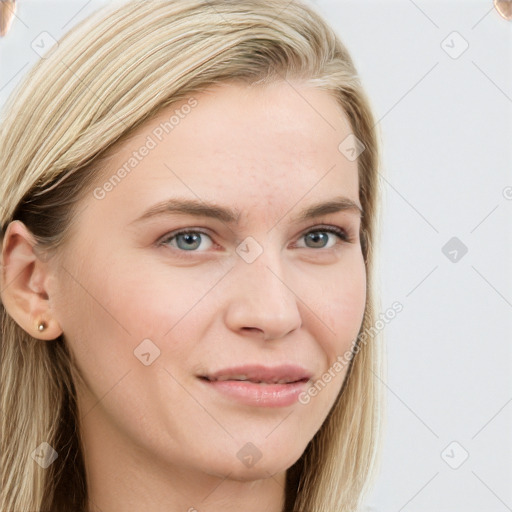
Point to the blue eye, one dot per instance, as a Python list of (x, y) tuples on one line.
[(319, 236), (190, 240), (186, 240)]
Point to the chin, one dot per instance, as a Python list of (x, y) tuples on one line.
[(260, 469)]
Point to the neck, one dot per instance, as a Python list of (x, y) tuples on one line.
[(124, 478)]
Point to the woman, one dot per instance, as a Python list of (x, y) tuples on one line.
[(189, 196)]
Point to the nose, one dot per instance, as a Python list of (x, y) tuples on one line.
[(260, 301)]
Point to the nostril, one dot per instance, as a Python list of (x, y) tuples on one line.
[(258, 331)]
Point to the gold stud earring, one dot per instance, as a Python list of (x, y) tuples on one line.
[(41, 327)]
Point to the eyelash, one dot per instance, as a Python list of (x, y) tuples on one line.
[(341, 233)]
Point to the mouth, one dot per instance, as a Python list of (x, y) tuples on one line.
[(258, 385), (244, 378), (284, 374)]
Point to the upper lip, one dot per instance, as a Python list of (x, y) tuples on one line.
[(258, 373)]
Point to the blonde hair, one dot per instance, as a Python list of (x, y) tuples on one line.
[(105, 77)]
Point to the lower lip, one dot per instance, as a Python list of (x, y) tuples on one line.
[(260, 395)]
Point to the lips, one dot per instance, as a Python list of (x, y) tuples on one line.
[(283, 374)]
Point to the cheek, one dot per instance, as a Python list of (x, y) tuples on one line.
[(342, 307), (95, 309), (158, 300), (110, 310)]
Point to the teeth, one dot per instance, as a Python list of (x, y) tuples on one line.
[(245, 378)]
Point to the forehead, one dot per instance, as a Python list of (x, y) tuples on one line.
[(243, 143)]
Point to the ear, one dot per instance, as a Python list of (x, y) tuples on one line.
[(24, 277)]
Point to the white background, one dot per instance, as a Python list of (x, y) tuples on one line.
[(446, 122)]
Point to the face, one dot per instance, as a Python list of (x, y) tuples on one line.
[(168, 304)]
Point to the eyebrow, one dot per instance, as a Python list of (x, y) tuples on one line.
[(199, 208)]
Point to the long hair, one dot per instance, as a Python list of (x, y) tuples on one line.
[(103, 79)]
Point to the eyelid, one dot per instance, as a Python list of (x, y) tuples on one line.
[(172, 234), (344, 234)]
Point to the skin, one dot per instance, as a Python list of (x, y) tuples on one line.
[(155, 437)]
